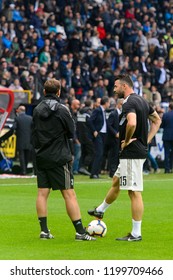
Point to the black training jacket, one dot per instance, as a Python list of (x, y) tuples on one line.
[(53, 127)]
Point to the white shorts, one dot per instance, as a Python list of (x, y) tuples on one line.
[(130, 173)]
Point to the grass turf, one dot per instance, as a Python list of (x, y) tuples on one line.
[(19, 234)]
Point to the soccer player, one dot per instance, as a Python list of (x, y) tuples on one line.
[(134, 139), (52, 134)]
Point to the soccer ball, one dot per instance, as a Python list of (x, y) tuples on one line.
[(97, 228)]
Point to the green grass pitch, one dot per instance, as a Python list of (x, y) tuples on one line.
[(19, 232)]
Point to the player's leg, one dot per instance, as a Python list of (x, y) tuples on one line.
[(41, 207), (137, 209), (71, 203), (137, 206), (41, 204), (132, 181), (73, 212), (64, 179), (113, 192), (109, 199)]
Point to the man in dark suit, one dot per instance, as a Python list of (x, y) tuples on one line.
[(87, 147), (167, 125), (113, 138), (160, 75), (22, 126), (98, 126)]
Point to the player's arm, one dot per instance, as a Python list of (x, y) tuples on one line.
[(68, 122), (69, 127), (154, 126), (130, 129)]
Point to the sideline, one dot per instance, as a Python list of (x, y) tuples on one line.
[(101, 181)]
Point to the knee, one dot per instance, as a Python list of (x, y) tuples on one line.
[(134, 195), (115, 184), (43, 193), (69, 194), (115, 181)]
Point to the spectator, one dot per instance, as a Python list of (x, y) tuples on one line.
[(96, 43), (100, 89), (137, 81), (141, 44), (152, 160), (135, 64), (16, 85), (101, 30), (78, 83), (144, 69), (69, 24), (99, 61), (98, 126), (113, 138), (86, 46), (161, 75), (15, 73), (60, 44), (54, 68), (118, 60), (130, 13), (147, 91), (87, 148), (75, 43), (64, 89), (45, 56), (87, 78), (167, 95), (167, 125), (40, 80), (130, 36), (74, 108), (156, 96), (21, 61), (23, 133), (63, 68)]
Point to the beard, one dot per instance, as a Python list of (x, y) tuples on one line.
[(120, 93)]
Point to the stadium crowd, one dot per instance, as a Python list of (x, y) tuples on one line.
[(86, 44)]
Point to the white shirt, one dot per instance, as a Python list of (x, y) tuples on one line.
[(104, 127), (162, 78), (144, 67)]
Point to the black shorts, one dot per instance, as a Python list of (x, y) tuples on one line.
[(57, 178)]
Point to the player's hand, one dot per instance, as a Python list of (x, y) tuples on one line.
[(125, 144)]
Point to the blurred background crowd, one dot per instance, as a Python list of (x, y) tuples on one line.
[(86, 44)]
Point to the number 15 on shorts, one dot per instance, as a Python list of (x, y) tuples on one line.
[(123, 181)]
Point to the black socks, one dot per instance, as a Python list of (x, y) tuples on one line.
[(43, 224), (79, 227)]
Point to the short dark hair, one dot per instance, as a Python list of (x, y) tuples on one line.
[(125, 78), (88, 102), (104, 100), (52, 86)]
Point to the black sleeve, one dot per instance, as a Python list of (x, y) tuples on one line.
[(67, 121), (71, 146)]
